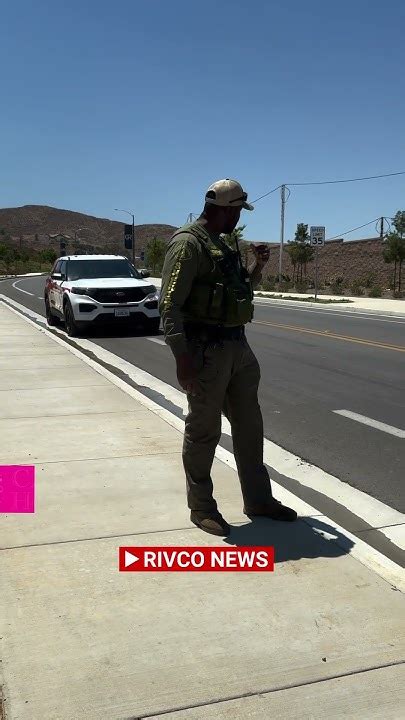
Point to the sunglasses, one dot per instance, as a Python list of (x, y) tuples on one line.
[(243, 198)]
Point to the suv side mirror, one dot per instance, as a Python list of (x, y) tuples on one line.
[(145, 273), (57, 276)]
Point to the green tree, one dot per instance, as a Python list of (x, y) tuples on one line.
[(301, 233), (235, 239), (394, 252), (155, 252), (399, 222), (7, 257), (293, 249), (47, 256), (300, 252), (22, 255), (236, 236)]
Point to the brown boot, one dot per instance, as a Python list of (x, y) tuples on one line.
[(274, 509), (213, 524)]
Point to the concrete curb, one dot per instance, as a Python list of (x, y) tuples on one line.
[(15, 277)]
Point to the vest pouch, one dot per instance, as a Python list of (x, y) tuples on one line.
[(216, 308), (198, 302), (246, 278), (239, 309)]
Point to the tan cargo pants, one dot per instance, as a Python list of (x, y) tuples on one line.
[(228, 381)]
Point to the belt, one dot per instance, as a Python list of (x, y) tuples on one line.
[(213, 332)]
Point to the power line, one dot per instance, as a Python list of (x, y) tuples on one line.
[(335, 237), (266, 194), (332, 182)]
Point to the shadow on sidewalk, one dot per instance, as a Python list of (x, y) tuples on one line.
[(292, 541)]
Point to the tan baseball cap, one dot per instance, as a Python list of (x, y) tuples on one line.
[(227, 193)]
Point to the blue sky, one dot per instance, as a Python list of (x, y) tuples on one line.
[(142, 104)]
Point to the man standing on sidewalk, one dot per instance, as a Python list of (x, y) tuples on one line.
[(206, 300)]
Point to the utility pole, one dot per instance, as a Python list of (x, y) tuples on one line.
[(381, 228), (280, 264), (133, 239)]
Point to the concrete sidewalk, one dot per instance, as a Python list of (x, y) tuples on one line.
[(321, 637), (357, 304)]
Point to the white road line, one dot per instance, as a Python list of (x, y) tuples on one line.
[(351, 314), (20, 289), (390, 429), (374, 512), (157, 340)]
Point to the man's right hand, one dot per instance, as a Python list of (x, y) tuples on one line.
[(186, 373)]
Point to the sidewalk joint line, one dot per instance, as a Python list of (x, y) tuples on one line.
[(47, 387), (382, 527), (255, 693), (92, 459), (236, 523), (104, 412), (101, 537)]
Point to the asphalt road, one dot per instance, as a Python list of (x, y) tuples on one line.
[(314, 362)]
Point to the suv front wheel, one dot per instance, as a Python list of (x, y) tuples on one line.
[(71, 326), (153, 325)]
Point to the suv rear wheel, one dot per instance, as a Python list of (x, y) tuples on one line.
[(50, 317)]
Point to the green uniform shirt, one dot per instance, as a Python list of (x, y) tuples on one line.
[(185, 261)]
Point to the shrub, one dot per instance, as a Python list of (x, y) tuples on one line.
[(269, 283), (368, 281), (336, 285), (375, 291), (301, 287), (357, 288), (284, 286)]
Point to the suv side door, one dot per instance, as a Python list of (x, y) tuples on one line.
[(52, 284), (59, 286)]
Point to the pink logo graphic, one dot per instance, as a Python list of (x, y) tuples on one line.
[(17, 488)]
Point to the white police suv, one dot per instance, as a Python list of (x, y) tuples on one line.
[(90, 290)]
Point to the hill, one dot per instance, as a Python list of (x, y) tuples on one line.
[(31, 225)]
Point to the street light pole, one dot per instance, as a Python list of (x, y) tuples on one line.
[(133, 231)]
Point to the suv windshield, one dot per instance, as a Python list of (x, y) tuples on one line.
[(120, 268)]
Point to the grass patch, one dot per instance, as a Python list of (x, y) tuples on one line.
[(311, 298)]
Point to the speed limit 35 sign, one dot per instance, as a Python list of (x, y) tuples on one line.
[(317, 235)]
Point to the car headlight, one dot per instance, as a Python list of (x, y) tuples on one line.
[(79, 291), (152, 296)]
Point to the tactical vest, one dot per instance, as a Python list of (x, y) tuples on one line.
[(224, 294)]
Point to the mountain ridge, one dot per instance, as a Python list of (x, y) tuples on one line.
[(34, 224)]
